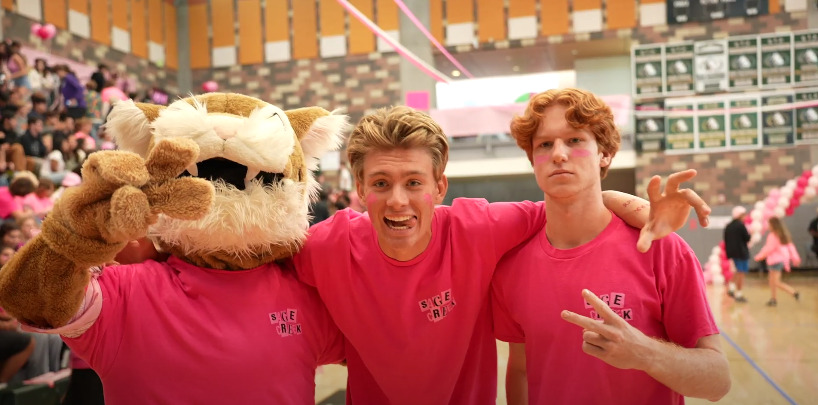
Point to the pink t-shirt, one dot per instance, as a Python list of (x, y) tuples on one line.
[(174, 333), (36, 204), (418, 332), (775, 252), (8, 203), (660, 292)]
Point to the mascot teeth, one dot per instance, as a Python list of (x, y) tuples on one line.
[(193, 170)]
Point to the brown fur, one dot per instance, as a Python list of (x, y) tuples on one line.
[(121, 195)]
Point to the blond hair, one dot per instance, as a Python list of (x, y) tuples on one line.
[(584, 111), (397, 127), (780, 230)]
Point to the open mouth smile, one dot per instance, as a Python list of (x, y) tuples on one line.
[(230, 172), (399, 223)]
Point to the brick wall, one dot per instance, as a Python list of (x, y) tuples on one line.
[(357, 83), (740, 177)]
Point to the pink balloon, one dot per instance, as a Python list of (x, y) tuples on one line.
[(795, 203), (807, 174), (43, 33), (50, 30), (748, 220), (790, 210), (774, 193), (210, 86), (768, 212), (802, 182), (35, 30), (708, 277), (725, 269), (797, 193)]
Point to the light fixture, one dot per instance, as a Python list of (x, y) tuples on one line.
[(456, 73)]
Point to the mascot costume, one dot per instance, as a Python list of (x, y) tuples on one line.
[(222, 182)]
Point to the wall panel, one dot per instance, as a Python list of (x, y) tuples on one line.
[(199, 42), (171, 39), (55, 12), (491, 21), (100, 21), (305, 26), (361, 39), (139, 28), (250, 37), (554, 18)]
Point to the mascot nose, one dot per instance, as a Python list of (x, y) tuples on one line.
[(225, 132)]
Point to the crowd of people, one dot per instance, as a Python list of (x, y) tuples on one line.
[(50, 123)]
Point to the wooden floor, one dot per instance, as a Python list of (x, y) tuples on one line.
[(773, 352)]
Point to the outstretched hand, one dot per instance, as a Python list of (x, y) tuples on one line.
[(670, 209), (613, 340)]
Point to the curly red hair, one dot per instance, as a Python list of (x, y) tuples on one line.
[(584, 111)]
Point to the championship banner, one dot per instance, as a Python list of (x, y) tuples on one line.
[(711, 66), (648, 71), (744, 128), (776, 60), (680, 126), (805, 50), (650, 127), (777, 120), (679, 69), (711, 128), (685, 11), (743, 61), (806, 116)]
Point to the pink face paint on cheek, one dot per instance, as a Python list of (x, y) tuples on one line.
[(539, 159), (370, 199), (428, 199), (580, 153)]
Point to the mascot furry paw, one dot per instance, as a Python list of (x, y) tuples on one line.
[(222, 182)]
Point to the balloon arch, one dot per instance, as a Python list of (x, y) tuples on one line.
[(780, 202)]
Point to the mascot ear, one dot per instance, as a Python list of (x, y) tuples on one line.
[(130, 125), (318, 130)]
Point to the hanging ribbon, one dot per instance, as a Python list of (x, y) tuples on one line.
[(411, 57), (429, 35)]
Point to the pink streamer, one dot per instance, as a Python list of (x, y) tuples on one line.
[(423, 66), (426, 32)]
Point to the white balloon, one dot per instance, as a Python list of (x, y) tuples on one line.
[(809, 192), (718, 279), (780, 212), (715, 251), (791, 183), (814, 170), (813, 181), (755, 238), (786, 192), (757, 214), (784, 201), (714, 258), (759, 206), (755, 227)]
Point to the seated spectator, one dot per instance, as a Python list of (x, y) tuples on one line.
[(6, 252), (39, 106), (11, 235), (15, 348), (11, 197), (82, 133), (39, 202), (28, 227), (73, 93), (33, 145)]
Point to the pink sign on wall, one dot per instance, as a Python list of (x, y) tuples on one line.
[(418, 100)]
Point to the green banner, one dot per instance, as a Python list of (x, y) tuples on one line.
[(777, 120), (776, 60), (710, 119), (650, 127), (744, 127), (679, 78), (647, 71), (743, 62), (680, 127), (806, 116), (805, 49)]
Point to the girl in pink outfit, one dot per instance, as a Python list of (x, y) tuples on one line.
[(779, 252)]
